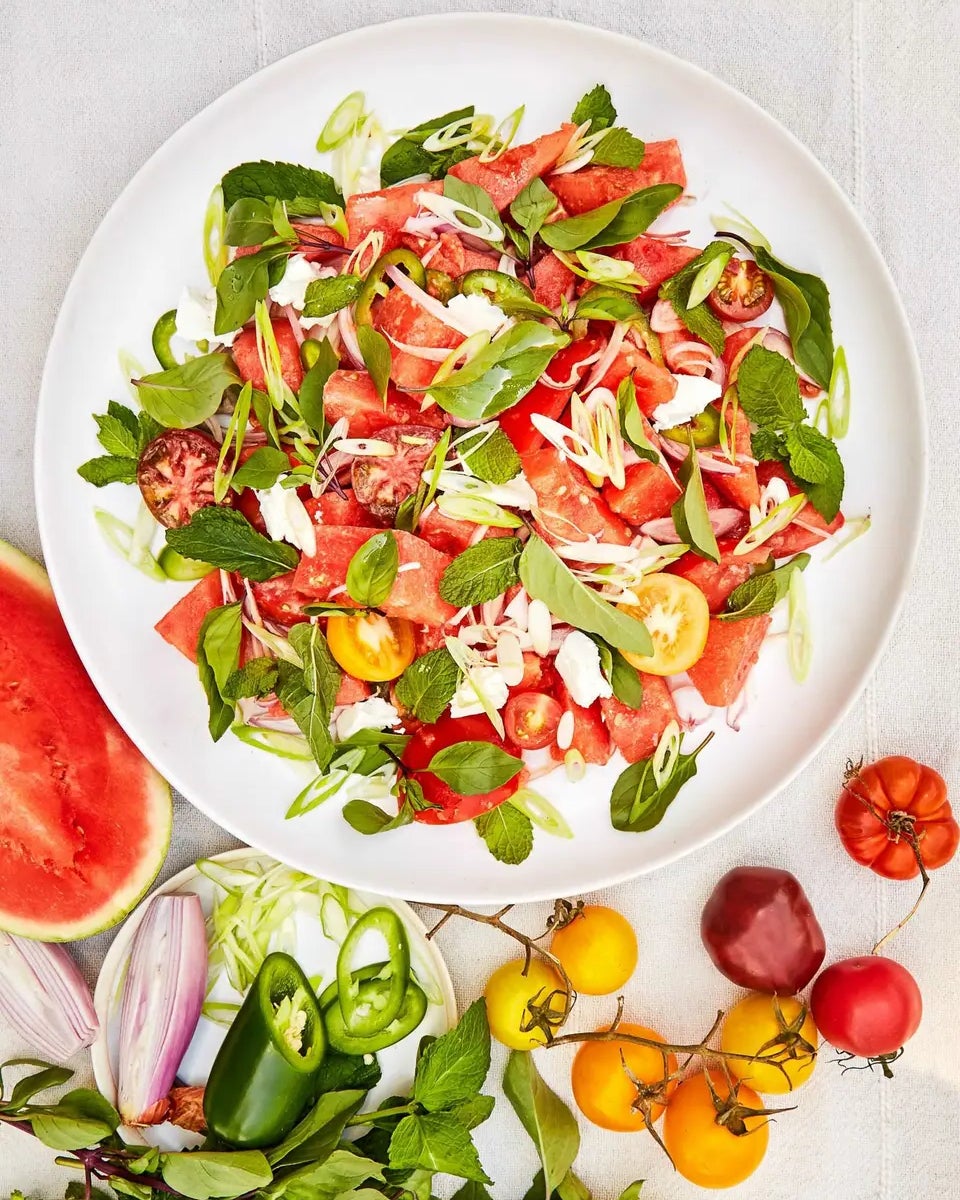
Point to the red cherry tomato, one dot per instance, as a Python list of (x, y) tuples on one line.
[(531, 720), (175, 475), (761, 932), (451, 806), (743, 292), (893, 811), (868, 1006)]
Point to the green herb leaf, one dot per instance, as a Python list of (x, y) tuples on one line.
[(28, 1087), (226, 539), (625, 681), (256, 678), (80, 1118), (368, 819), (825, 496), (481, 572), (471, 1190), (310, 711), (453, 1068), (373, 569), (108, 468), (261, 470), (763, 591), (473, 1112), (700, 319), (301, 187), (600, 303), (186, 395), (494, 459), (347, 1072), (326, 296), (532, 206), (637, 213), (619, 149), (631, 421), (472, 196), (218, 653), (339, 1174), (321, 672), (508, 833), (436, 1142), (596, 107), (472, 768), (633, 1191), (550, 1124), (501, 374), (691, 517), (768, 390), (118, 435), (573, 233), (317, 1134), (428, 685), (806, 306), (249, 222), (768, 446), (638, 803), (243, 283), (570, 1187), (407, 157), (375, 350), (546, 577), (314, 382), (810, 453)]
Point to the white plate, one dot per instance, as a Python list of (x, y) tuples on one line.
[(149, 245), (316, 954)]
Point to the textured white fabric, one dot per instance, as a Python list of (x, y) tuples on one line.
[(89, 90)]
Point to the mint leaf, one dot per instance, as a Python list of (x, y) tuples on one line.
[(407, 157), (307, 709), (218, 653), (326, 296), (763, 591), (183, 396), (552, 1127), (700, 319), (619, 149), (226, 539), (117, 436), (806, 305), (436, 1142), (472, 768), (295, 184), (321, 673), (375, 350), (768, 446), (596, 107), (691, 517), (811, 454), (532, 207), (256, 678), (508, 833), (428, 685), (481, 572), (768, 390), (261, 470), (373, 569), (471, 1190), (494, 459), (452, 1069), (316, 1135), (825, 495), (637, 213), (638, 802), (108, 468), (473, 1112)]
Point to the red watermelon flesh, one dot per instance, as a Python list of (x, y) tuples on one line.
[(795, 538), (732, 649), (655, 260), (387, 211), (506, 177), (569, 507), (590, 735), (402, 319), (352, 394), (648, 493), (636, 731), (718, 580), (181, 625), (85, 820), (592, 186)]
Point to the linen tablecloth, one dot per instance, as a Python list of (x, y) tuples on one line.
[(89, 90)]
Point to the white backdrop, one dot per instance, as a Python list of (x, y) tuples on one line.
[(89, 90)]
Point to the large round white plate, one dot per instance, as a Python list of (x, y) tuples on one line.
[(149, 245)]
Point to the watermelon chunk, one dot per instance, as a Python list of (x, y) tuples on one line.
[(590, 735), (549, 401), (718, 580), (742, 489), (244, 351), (85, 820), (653, 384), (181, 625), (451, 256), (331, 509), (553, 280), (352, 691), (728, 657), (649, 492), (569, 507), (279, 601), (352, 394), (795, 538), (592, 186), (387, 211), (401, 318), (506, 177), (636, 731), (655, 260), (415, 593), (449, 535)]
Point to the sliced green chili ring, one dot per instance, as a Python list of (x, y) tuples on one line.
[(163, 331), (411, 1014), (440, 284), (650, 339), (310, 352), (175, 566), (706, 429), (264, 1074), (370, 290), (378, 1008), (361, 975), (503, 287)]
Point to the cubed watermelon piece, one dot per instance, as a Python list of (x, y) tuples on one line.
[(279, 601), (449, 535), (352, 691), (449, 255), (648, 493), (655, 260), (653, 384), (718, 580), (244, 351), (352, 394), (795, 538), (590, 735), (728, 657), (331, 509), (553, 280), (592, 186), (416, 590), (569, 507), (387, 211), (549, 401), (742, 489), (506, 177), (401, 318), (636, 731), (181, 625)]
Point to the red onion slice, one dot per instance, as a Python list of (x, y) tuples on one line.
[(44, 998), (348, 331), (663, 530), (605, 361)]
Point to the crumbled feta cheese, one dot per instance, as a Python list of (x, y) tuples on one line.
[(694, 393), (487, 679), (373, 713), (578, 665), (292, 288), (196, 313), (286, 518), (475, 314)]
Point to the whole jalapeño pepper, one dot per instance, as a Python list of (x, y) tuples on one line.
[(263, 1076)]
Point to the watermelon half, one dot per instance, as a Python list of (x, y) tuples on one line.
[(84, 819)]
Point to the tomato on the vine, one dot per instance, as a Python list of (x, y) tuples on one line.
[(510, 991), (868, 1006), (709, 1132), (597, 949), (779, 1033), (611, 1079)]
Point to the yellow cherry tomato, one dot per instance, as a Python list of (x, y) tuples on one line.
[(370, 646), (677, 617), (598, 950), (510, 990), (780, 1029), (602, 1084), (704, 1148)]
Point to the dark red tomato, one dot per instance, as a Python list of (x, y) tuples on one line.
[(761, 932), (451, 806), (743, 292), (381, 482), (245, 355), (868, 1006), (175, 475), (531, 720)]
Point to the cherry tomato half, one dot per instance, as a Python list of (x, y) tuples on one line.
[(175, 475), (531, 720), (451, 806), (370, 646), (677, 617), (743, 292), (867, 1006)]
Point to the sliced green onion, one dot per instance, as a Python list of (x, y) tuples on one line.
[(461, 655), (707, 278), (273, 641), (120, 537), (334, 216), (728, 436), (778, 518), (334, 919), (461, 216), (856, 527), (214, 244), (220, 1012), (269, 354), (467, 349), (742, 225), (541, 812), (274, 741), (480, 512), (601, 268), (232, 442), (575, 765), (838, 396), (342, 122), (456, 133), (666, 754), (799, 637), (175, 566), (821, 418), (502, 136)]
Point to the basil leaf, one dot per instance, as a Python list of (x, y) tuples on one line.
[(638, 803), (631, 421), (310, 397), (407, 157), (625, 681), (633, 1191), (326, 296), (619, 149), (762, 592), (546, 577), (700, 319), (596, 107), (183, 396), (637, 212), (317, 1134), (481, 572), (225, 538), (501, 374), (600, 303), (569, 1188), (28, 1087), (436, 1142), (508, 833), (249, 222), (691, 517), (310, 711), (494, 459), (470, 195), (806, 306), (261, 470), (379, 746), (768, 390), (573, 233), (472, 768), (301, 187), (80, 1118), (256, 678), (552, 1127), (218, 654), (108, 468), (428, 685), (471, 1190), (373, 569), (205, 1174), (453, 1068), (532, 206), (375, 350), (339, 1174), (368, 819), (242, 283)]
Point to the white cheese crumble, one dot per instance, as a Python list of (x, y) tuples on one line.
[(196, 312), (475, 314), (693, 394), (292, 288), (487, 679), (372, 713), (286, 518), (578, 665)]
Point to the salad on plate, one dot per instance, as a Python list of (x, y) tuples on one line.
[(479, 469)]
